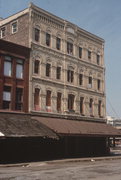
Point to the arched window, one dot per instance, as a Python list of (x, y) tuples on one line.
[(36, 66), (37, 99)]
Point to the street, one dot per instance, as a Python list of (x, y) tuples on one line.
[(99, 170)]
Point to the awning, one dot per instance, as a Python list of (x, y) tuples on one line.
[(65, 127), (21, 125)]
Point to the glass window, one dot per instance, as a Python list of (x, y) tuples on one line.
[(37, 34), (36, 67), (81, 105), (80, 79), (19, 99), (19, 69), (6, 97), (91, 106), (59, 101), (7, 66), (2, 32), (90, 82), (99, 107), (48, 39), (58, 43), (58, 73), (69, 48), (89, 54), (98, 59), (98, 84), (48, 68), (71, 102), (80, 52), (48, 98), (70, 76), (37, 99), (14, 27)]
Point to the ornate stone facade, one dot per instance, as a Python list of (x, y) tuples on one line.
[(79, 52)]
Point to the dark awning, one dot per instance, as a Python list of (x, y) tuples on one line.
[(21, 125), (64, 127)]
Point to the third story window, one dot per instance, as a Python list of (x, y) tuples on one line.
[(19, 68), (80, 79), (7, 66), (69, 48), (89, 54), (80, 52), (58, 43), (48, 39), (37, 34)]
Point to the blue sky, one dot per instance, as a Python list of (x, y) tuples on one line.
[(100, 17)]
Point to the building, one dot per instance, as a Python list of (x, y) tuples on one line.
[(66, 63), (66, 79), (14, 76)]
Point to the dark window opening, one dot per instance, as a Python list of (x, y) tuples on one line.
[(89, 54), (82, 105), (19, 99), (48, 39), (98, 59), (48, 68), (99, 107), (90, 82), (70, 76), (71, 102), (80, 52), (80, 79), (59, 102), (37, 34), (98, 84), (58, 73), (69, 48), (91, 107), (37, 99), (58, 43), (36, 67)]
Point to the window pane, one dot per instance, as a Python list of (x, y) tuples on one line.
[(7, 68), (19, 71), (37, 34), (6, 96)]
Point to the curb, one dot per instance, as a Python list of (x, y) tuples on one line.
[(74, 160)]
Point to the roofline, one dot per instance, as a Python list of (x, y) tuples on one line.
[(14, 16), (33, 6)]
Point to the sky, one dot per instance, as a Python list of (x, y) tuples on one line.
[(100, 17)]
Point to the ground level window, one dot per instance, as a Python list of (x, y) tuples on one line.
[(6, 97)]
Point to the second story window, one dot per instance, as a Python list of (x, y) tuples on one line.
[(14, 27), (91, 106), (36, 67), (70, 76), (48, 39), (58, 72), (6, 97), (80, 52), (58, 43), (90, 82), (19, 68), (7, 66), (71, 102), (82, 105), (69, 48), (59, 101), (2, 32), (48, 69), (37, 34), (89, 54), (80, 79)]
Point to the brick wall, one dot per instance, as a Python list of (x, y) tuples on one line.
[(22, 35)]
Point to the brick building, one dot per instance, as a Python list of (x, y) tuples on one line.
[(66, 80), (14, 76)]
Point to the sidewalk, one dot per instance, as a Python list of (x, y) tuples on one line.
[(42, 163)]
